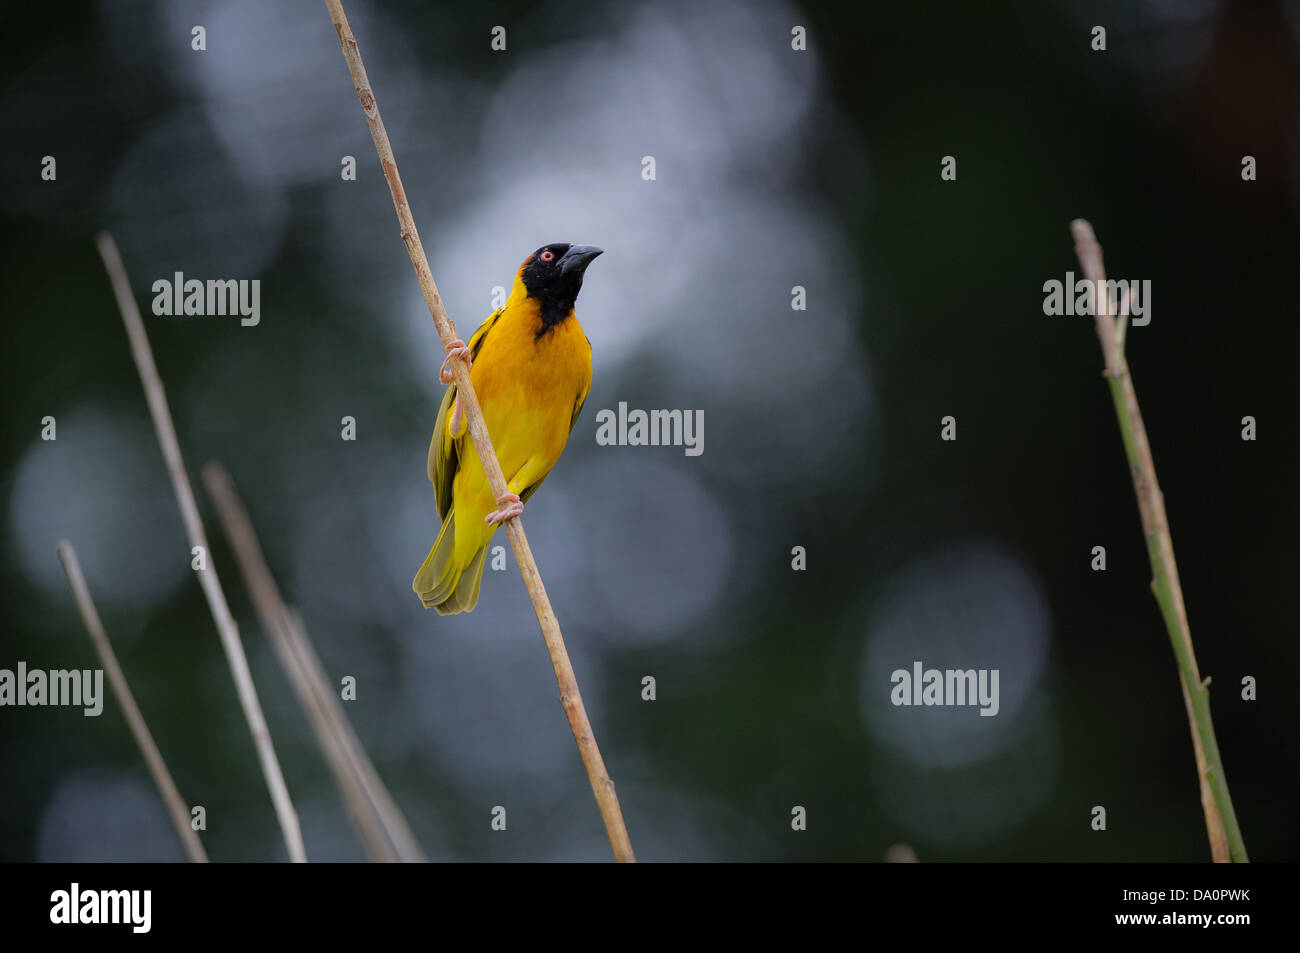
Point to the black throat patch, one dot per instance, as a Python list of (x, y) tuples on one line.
[(550, 286), (554, 309)]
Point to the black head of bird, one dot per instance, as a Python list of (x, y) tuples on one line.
[(553, 276)]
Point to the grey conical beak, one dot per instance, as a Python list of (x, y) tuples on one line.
[(577, 258)]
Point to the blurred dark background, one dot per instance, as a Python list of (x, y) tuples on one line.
[(774, 168)]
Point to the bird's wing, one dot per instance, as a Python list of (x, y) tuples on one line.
[(577, 409), (582, 399), (444, 448)]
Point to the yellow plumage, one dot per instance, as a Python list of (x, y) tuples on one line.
[(531, 369)]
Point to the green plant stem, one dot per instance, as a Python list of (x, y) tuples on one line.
[(1220, 819)]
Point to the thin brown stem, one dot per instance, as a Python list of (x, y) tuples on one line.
[(570, 697), (208, 581), (176, 807), (379, 822)]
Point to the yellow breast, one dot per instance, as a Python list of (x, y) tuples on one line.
[(528, 383)]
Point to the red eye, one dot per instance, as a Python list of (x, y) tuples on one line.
[(547, 255)]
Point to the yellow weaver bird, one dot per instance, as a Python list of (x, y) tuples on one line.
[(530, 364)]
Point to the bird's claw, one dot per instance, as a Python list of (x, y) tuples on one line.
[(510, 507), (456, 348)]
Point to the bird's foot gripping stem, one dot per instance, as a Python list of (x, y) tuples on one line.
[(510, 507), (456, 348)]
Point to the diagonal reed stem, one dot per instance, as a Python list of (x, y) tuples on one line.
[(570, 698), (1226, 843), (208, 581), (379, 822), (176, 807)]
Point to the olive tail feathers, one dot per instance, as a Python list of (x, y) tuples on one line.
[(442, 583)]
